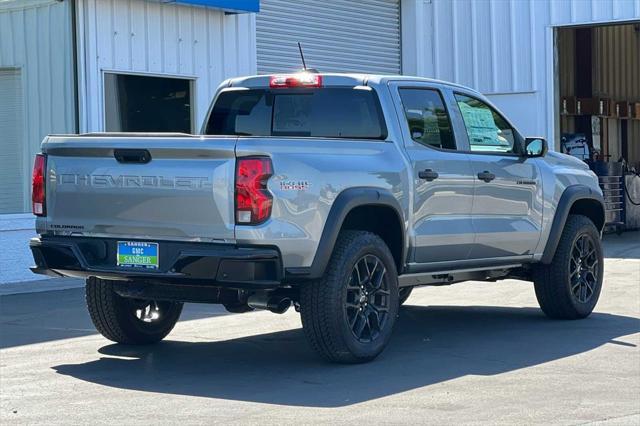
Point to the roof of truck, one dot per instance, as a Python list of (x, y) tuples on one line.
[(338, 79)]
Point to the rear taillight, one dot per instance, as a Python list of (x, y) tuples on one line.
[(253, 199), (38, 186)]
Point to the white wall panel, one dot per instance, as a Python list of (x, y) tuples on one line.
[(502, 48), (35, 39), (485, 44), (485, 48), (173, 40), (443, 40), (521, 44), (463, 44)]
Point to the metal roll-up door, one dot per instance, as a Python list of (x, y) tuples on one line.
[(12, 176), (336, 35)]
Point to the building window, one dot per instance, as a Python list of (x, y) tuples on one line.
[(135, 103)]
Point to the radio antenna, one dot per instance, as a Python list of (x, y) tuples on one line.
[(304, 65)]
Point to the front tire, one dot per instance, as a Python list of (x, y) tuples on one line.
[(348, 315), (126, 320), (570, 286)]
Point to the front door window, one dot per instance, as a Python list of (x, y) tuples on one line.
[(487, 130)]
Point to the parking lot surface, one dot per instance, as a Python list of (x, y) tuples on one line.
[(467, 353)]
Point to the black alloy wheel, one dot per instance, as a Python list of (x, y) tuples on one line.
[(367, 301), (584, 268)]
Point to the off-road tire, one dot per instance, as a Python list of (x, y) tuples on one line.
[(114, 316), (552, 282), (322, 302), (404, 294)]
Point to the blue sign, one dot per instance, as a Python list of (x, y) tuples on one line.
[(231, 5)]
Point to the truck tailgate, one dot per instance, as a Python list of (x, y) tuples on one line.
[(103, 185)]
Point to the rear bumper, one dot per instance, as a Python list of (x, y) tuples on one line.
[(219, 265)]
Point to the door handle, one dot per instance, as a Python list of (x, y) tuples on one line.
[(132, 155), (486, 176), (428, 175)]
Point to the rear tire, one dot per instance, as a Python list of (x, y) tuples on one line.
[(125, 320), (349, 314), (569, 287)]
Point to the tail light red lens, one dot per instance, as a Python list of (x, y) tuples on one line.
[(38, 186), (253, 199)]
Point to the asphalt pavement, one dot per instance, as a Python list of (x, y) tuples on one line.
[(467, 353)]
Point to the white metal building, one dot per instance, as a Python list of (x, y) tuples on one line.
[(64, 65), (201, 45), (111, 65), (505, 49), (36, 90)]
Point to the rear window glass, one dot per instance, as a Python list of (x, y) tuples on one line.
[(325, 112)]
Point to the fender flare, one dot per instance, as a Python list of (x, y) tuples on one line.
[(570, 195), (346, 201)]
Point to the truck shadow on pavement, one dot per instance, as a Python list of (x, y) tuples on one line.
[(32, 318), (430, 345)]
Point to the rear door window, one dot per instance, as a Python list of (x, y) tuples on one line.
[(324, 112), (427, 118)]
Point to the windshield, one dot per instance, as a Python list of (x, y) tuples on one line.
[(339, 112)]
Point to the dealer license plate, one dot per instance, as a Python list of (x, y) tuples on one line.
[(134, 254)]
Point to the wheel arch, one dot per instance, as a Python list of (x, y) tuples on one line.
[(576, 199), (352, 209)]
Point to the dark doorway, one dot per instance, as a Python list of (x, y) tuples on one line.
[(135, 103)]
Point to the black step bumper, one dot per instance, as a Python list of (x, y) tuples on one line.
[(187, 263)]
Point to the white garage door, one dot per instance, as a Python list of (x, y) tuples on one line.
[(336, 35), (12, 177)]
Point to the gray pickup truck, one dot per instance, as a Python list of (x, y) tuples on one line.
[(334, 193)]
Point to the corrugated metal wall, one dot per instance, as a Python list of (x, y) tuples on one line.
[(12, 195), (337, 36), (617, 61), (566, 42), (35, 39), (500, 47), (160, 39), (616, 56), (480, 44)]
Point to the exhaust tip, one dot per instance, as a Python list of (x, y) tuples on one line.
[(279, 305), (275, 304)]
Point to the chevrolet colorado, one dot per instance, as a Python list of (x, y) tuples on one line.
[(334, 193)]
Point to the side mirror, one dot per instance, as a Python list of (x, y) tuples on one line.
[(535, 147)]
